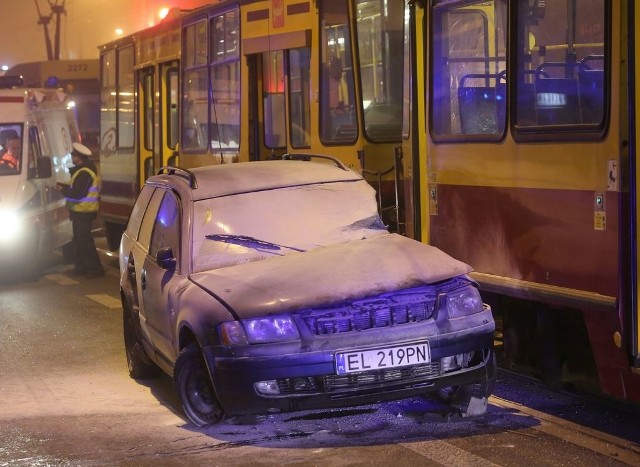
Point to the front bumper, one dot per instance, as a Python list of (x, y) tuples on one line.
[(306, 375)]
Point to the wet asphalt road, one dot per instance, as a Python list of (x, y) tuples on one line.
[(66, 399)]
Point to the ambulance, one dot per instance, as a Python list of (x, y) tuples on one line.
[(36, 133)]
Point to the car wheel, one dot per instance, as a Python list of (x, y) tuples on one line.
[(140, 366), (194, 387), (470, 400)]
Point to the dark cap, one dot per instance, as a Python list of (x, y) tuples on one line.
[(81, 150)]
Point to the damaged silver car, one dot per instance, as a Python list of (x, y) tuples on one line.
[(274, 286)]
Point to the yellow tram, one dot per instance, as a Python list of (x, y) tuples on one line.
[(243, 81), (519, 143)]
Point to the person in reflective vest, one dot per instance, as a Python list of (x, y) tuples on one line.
[(82, 200)]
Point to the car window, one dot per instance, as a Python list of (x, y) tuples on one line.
[(135, 219), (251, 226), (149, 219), (166, 229)]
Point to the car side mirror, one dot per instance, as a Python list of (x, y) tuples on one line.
[(165, 259)]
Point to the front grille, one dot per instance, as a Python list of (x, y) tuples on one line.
[(357, 381), (393, 309)]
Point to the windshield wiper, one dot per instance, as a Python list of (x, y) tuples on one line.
[(249, 242)]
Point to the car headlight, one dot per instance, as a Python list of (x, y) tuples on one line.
[(259, 330), (462, 302), (11, 223)]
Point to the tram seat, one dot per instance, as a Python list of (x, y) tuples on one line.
[(482, 108), (557, 96), (526, 105), (557, 101), (591, 89)]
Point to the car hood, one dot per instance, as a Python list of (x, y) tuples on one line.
[(329, 275)]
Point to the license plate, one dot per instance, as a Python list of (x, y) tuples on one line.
[(383, 358)]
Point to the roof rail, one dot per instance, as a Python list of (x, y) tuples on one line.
[(308, 157), (184, 173)]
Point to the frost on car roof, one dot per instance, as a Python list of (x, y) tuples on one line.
[(242, 177)]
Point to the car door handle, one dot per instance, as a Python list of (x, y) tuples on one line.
[(143, 279)]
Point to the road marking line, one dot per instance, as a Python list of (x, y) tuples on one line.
[(447, 454), (106, 300), (597, 441), (61, 279)]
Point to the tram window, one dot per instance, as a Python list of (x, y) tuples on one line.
[(273, 92), (195, 84), (108, 100), (195, 44), (299, 95), (225, 83), (561, 67), (468, 79), (225, 107), (172, 108), (338, 122), (380, 36), (147, 110), (125, 97), (407, 88), (224, 36), (195, 110)]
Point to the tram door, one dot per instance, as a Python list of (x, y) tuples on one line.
[(273, 99), (169, 113), (634, 112), (279, 112), (146, 117)]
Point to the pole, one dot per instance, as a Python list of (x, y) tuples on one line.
[(57, 10), (44, 21)]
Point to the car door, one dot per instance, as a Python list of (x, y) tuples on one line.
[(158, 285)]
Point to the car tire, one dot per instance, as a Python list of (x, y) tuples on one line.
[(471, 400), (193, 384), (139, 364)]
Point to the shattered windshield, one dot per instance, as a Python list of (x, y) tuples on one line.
[(252, 226)]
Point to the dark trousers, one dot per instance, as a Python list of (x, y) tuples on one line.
[(87, 258)]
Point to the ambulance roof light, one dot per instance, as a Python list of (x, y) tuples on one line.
[(52, 82)]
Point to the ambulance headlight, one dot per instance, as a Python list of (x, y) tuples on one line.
[(11, 223)]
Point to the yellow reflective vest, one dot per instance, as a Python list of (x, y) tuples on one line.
[(89, 203)]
